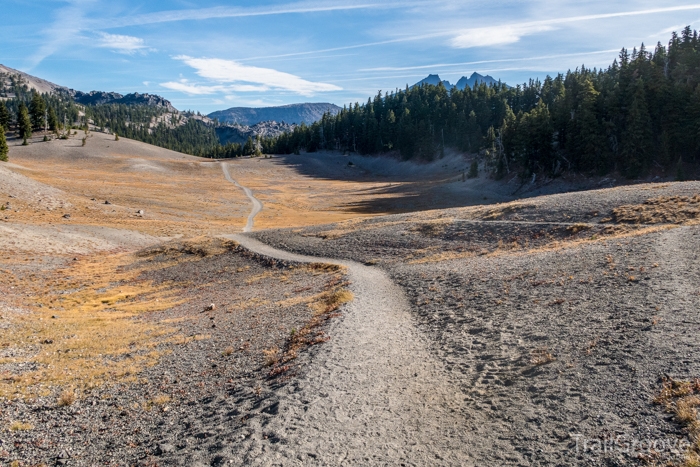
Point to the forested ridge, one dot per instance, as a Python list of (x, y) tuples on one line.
[(643, 111)]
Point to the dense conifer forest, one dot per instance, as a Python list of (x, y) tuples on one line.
[(643, 111)]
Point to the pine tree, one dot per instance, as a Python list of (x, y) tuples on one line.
[(249, 148), (53, 120), (37, 110), (24, 124), (3, 145), (637, 143), (5, 117)]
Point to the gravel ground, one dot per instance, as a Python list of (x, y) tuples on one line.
[(212, 383), (555, 323)]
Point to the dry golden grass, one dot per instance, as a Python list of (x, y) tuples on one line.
[(325, 306), (66, 398), (272, 356), (84, 329), (179, 194), (541, 357), (21, 426), (161, 400), (682, 399), (502, 210), (662, 210)]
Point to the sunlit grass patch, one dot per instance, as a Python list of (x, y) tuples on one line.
[(84, 330)]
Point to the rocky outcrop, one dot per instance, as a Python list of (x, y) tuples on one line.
[(241, 133), (101, 97), (293, 113)]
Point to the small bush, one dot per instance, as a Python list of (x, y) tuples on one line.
[(21, 426), (66, 398), (271, 356)]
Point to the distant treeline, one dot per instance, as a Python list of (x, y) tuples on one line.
[(640, 112)]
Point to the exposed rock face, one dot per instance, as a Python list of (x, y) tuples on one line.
[(240, 133), (293, 113), (100, 97)]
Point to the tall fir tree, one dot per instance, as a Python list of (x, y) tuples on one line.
[(5, 117), (3, 145), (53, 120), (24, 124), (37, 111), (637, 142)]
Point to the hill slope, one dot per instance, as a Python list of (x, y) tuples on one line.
[(293, 113)]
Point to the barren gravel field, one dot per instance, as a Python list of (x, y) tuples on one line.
[(559, 319)]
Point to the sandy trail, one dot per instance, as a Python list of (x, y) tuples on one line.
[(257, 205), (373, 395)]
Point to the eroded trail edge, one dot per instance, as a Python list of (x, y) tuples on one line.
[(373, 394), (257, 205)]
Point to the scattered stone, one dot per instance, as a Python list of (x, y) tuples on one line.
[(107, 202), (164, 448), (54, 317), (140, 212), (211, 307), (66, 216)]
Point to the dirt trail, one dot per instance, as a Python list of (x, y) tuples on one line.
[(257, 205), (373, 395)]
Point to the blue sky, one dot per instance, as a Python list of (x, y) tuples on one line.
[(209, 55)]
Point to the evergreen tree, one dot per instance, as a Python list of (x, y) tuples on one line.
[(5, 117), (53, 120), (3, 145), (637, 144), (24, 124), (37, 110), (249, 148)]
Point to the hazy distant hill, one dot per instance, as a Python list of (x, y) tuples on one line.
[(461, 84), (293, 113)]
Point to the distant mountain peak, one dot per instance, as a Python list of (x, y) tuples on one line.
[(463, 82)]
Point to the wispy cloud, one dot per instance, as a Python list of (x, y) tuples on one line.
[(480, 62), (497, 35), (192, 89), (120, 43), (238, 12), (232, 76), (511, 33), (62, 32)]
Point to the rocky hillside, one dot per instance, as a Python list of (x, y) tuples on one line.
[(100, 97), (9, 78), (293, 113), (240, 133)]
